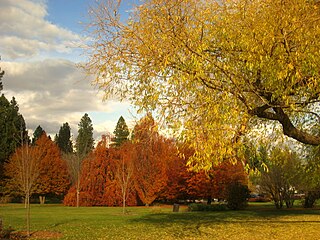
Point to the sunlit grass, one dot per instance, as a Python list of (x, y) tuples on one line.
[(257, 222)]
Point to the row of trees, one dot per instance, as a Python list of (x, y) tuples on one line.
[(146, 168), (286, 175)]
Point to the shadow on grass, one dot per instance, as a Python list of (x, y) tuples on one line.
[(255, 215)]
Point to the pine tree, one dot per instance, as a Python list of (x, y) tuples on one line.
[(121, 132), (63, 139), (12, 130), (37, 134), (85, 141)]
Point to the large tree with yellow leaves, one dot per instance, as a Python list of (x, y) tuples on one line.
[(209, 67)]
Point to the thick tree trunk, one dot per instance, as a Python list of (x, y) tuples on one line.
[(277, 114)]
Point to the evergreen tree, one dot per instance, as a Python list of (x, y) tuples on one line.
[(85, 141), (1, 75), (63, 139), (12, 130), (121, 132), (37, 134)]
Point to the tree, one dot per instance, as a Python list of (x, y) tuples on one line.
[(84, 141), (150, 176), (37, 134), (53, 177), (84, 146), (212, 66), (282, 177), (124, 172), (12, 131), (63, 139), (23, 170), (121, 132)]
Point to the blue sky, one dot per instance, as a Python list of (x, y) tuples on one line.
[(39, 48)]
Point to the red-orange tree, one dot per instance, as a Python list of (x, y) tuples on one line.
[(150, 162), (213, 183), (178, 174), (106, 176), (53, 176)]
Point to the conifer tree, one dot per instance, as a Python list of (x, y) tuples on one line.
[(63, 139), (37, 134), (121, 132), (85, 141)]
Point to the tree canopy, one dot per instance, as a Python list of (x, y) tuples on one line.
[(210, 67)]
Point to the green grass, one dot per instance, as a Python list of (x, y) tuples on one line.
[(259, 221)]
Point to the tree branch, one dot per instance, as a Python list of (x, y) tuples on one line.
[(288, 128)]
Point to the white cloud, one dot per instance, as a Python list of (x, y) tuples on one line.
[(52, 92), (49, 90), (26, 33)]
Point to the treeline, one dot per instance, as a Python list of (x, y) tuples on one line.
[(127, 169)]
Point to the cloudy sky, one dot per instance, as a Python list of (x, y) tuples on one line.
[(38, 49)]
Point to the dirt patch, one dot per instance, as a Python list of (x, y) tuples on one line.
[(35, 235)]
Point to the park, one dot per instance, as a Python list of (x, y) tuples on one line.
[(258, 221), (224, 143)]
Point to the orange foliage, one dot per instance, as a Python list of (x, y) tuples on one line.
[(99, 186), (213, 183), (53, 177), (150, 161)]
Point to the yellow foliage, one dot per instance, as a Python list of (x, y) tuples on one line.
[(206, 65)]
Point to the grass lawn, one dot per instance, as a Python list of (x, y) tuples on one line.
[(257, 222)]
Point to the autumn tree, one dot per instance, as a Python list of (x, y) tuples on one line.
[(212, 66), (94, 177), (215, 182), (121, 132), (124, 172), (23, 170), (150, 161), (63, 139), (53, 179), (178, 174)]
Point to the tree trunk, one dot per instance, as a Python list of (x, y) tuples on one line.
[(42, 199), (28, 213)]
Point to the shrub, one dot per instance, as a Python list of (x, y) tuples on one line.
[(199, 207), (237, 196)]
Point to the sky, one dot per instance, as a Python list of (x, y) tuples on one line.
[(39, 51)]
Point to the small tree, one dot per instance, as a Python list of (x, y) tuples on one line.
[(282, 177), (124, 172), (23, 170)]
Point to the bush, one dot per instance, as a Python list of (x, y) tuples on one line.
[(237, 196), (199, 207)]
